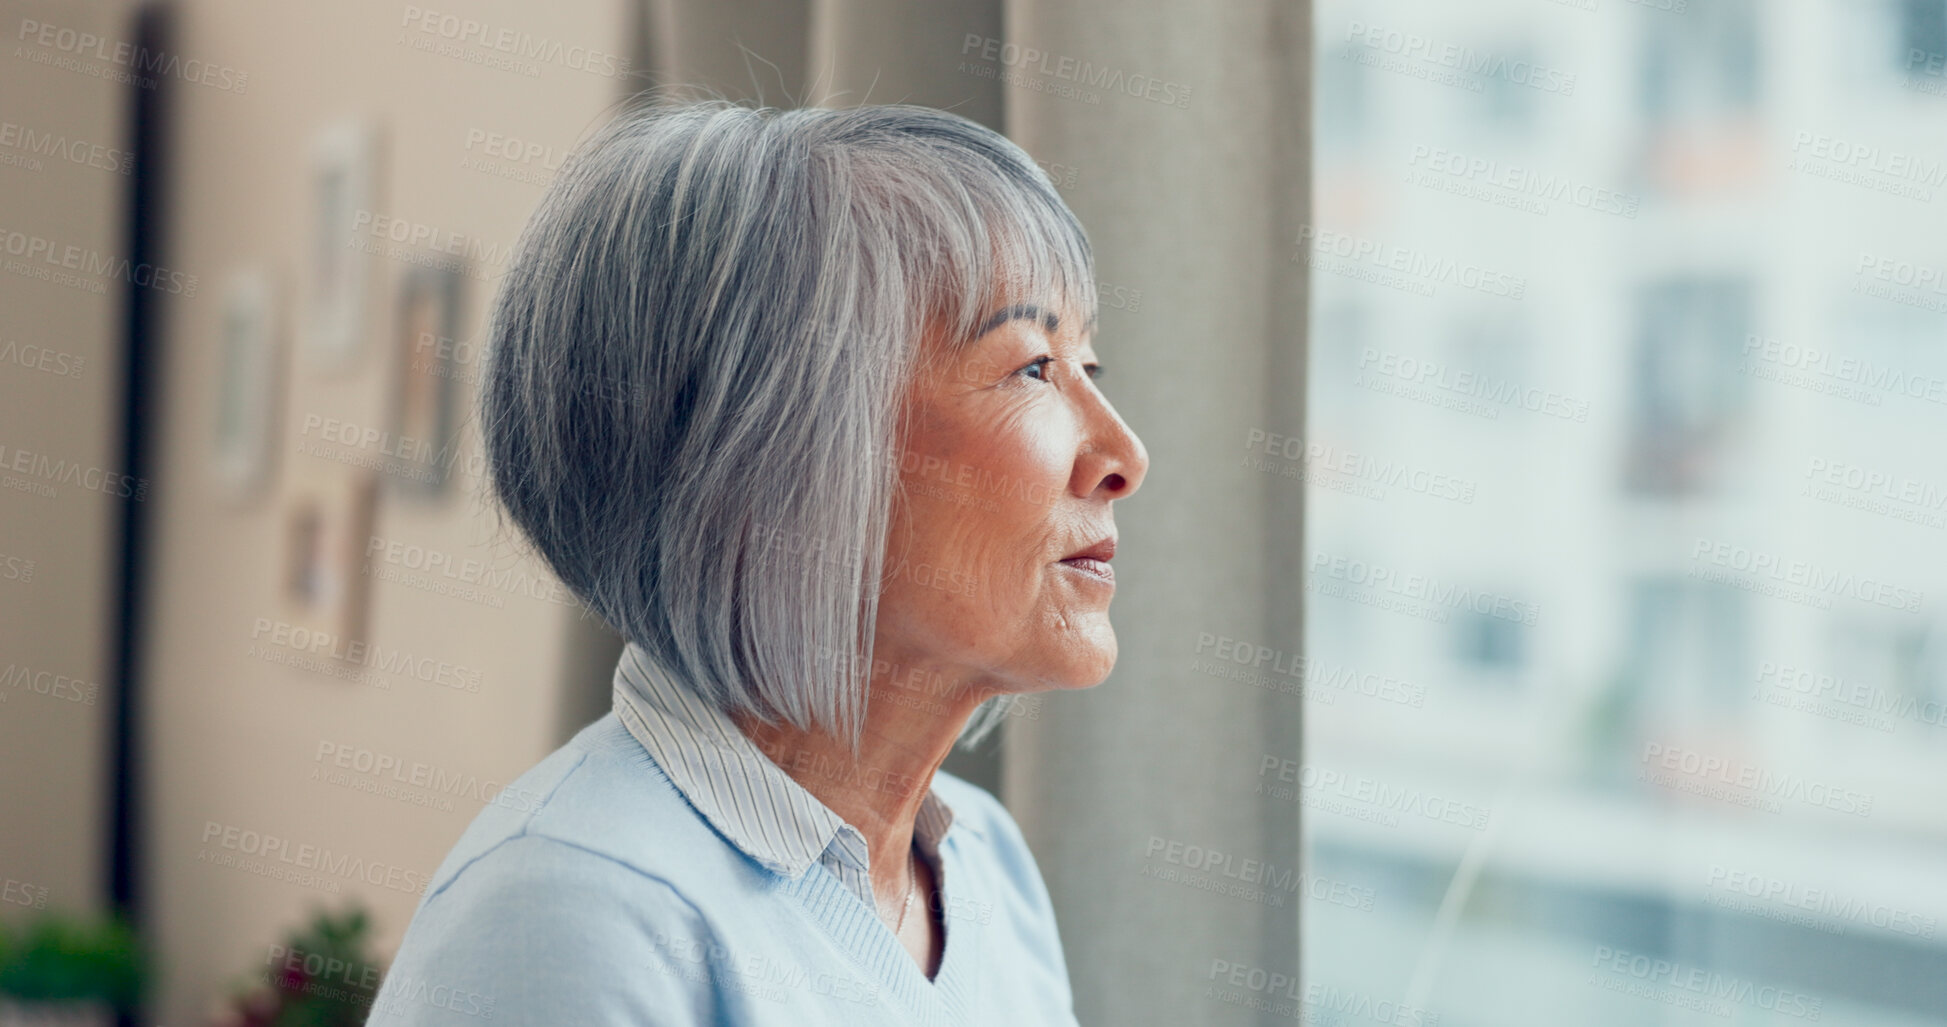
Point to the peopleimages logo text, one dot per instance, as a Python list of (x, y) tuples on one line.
[(49, 253), (1416, 267), (1524, 181), (1423, 587), (307, 857), (1463, 59), (128, 55), (1074, 69), (300, 639), (1709, 768), (1803, 574), (515, 43)]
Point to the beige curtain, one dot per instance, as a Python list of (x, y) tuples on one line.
[(1180, 135)]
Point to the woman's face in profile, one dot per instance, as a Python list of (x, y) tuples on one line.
[(1009, 465)]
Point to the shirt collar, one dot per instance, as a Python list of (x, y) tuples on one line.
[(744, 794)]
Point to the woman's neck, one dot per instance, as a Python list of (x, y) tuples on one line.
[(907, 735)]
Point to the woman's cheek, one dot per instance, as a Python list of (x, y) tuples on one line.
[(1035, 467)]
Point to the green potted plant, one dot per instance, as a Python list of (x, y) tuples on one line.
[(69, 970), (321, 976)]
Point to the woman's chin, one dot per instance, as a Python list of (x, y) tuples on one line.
[(1089, 669)]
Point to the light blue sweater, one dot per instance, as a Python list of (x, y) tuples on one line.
[(617, 902)]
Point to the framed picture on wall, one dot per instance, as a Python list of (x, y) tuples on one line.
[(424, 421), (327, 520), (344, 173), (248, 384)]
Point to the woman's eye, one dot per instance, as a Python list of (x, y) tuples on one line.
[(1041, 365)]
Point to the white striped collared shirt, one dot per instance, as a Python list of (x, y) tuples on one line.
[(746, 796)]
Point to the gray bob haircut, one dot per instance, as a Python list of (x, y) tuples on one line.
[(696, 363)]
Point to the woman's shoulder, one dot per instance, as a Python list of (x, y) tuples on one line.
[(599, 795), (539, 928), (589, 873)]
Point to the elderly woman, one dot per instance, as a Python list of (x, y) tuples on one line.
[(803, 404)]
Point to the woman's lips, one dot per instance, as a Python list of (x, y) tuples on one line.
[(1098, 569)]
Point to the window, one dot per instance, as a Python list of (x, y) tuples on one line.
[(1700, 63), (1685, 388), (1923, 31), (1695, 772)]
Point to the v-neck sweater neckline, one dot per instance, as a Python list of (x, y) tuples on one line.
[(856, 929)]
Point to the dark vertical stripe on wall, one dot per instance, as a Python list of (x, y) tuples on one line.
[(141, 365)]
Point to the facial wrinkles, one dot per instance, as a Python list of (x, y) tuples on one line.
[(1002, 551), (1039, 429), (1061, 525), (996, 494)]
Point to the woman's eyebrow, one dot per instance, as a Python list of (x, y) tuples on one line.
[(1027, 310)]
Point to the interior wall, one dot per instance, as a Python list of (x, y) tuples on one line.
[(62, 183), (245, 743)]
